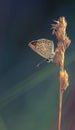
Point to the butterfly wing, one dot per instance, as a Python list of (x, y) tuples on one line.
[(43, 47)]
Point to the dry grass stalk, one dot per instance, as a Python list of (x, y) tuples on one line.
[(59, 30)]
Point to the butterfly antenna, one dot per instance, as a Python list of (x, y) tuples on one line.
[(40, 62)]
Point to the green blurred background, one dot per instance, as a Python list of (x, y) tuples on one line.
[(29, 96)]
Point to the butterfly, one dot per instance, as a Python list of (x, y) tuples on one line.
[(44, 48)]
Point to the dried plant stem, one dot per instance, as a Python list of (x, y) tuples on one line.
[(60, 108), (59, 30), (60, 99)]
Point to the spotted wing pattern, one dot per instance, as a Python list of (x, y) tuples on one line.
[(43, 47)]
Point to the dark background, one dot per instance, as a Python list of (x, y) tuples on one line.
[(29, 96)]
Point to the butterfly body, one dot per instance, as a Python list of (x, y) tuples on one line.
[(44, 48)]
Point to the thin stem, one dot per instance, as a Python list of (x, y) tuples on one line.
[(60, 109)]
